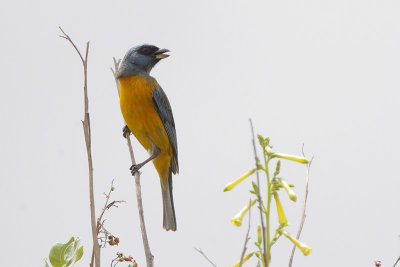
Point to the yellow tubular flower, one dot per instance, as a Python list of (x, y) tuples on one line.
[(303, 247), (281, 214), (245, 258), (237, 220), (240, 179), (290, 157), (291, 193)]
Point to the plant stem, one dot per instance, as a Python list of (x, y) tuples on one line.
[(260, 202), (268, 252)]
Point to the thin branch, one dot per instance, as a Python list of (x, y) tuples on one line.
[(149, 256), (115, 70), (303, 218), (87, 134), (107, 206), (205, 256), (100, 224), (258, 194), (66, 36), (398, 260), (246, 240)]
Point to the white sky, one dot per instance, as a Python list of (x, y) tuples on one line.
[(323, 73)]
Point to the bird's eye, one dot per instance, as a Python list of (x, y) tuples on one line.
[(145, 51)]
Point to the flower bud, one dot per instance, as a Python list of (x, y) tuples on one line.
[(237, 220), (290, 157), (303, 247), (289, 190), (245, 258), (240, 179), (281, 215)]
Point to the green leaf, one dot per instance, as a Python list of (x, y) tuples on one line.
[(79, 253), (277, 169), (65, 255), (46, 264), (255, 187), (260, 139)]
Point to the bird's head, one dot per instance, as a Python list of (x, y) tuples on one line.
[(141, 59)]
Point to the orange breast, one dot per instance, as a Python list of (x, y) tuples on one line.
[(143, 120)]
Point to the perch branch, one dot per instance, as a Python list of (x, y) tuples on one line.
[(149, 256)]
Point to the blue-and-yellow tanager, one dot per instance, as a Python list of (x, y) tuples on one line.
[(148, 115)]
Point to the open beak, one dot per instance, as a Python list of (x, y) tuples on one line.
[(160, 53)]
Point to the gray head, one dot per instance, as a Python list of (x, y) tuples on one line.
[(140, 60)]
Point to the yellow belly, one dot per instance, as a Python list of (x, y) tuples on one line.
[(143, 120)]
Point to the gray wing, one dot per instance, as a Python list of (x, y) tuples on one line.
[(163, 108)]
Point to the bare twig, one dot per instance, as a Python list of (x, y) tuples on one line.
[(87, 133), (100, 224), (303, 218), (107, 206), (398, 260), (258, 194), (246, 240), (205, 256), (149, 256), (115, 70)]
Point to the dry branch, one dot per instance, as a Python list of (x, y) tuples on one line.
[(303, 217), (87, 133), (149, 256), (247, 237), (107, 206), (398, 260), (205, 256)]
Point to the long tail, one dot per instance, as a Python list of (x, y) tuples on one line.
[(169, 220)]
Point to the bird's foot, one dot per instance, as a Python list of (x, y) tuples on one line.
[(125, 131), (135, 168)]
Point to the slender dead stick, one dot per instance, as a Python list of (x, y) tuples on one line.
[(107, 206), (86, 130), (205, 256), (398, 260), (147, 251), (247, 237), (303, 218), (258, 195)]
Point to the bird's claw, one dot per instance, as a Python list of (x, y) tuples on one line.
[(125, 131), (135, 168)]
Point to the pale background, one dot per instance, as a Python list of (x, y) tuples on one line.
[(323, 73)]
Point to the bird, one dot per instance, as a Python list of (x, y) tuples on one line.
[(148, 115)]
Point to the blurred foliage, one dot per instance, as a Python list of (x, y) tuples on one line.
[(65, 254)]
